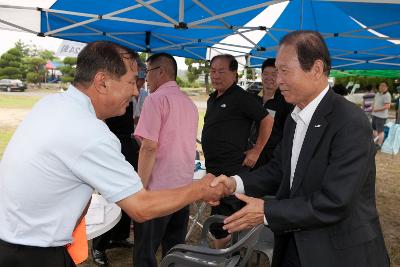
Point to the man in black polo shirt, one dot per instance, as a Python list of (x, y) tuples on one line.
[(227, 123)]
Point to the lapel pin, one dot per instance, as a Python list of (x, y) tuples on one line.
[(223, 106), (317, 125)]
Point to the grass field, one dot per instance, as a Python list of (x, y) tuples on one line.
[(5, 136), (23, 102)]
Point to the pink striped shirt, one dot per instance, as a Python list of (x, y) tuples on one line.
[(170, 118)]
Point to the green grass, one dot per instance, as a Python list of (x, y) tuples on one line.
[(201, 119), (5, 136), (24, 102)]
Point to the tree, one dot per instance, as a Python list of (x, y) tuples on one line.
[(68, 69), (250, 74), (11, 64), (36, 69), (143, 57), (47, 55), (196, 68), (24, 48)]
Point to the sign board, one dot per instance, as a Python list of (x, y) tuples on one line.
[(69, 49)]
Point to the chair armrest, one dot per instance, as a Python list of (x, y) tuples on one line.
[(206, 228)]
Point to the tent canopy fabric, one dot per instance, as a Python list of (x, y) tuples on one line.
[(351, 44), (182, 28), (250, 29)]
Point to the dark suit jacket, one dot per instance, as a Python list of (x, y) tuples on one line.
[(330, 209)]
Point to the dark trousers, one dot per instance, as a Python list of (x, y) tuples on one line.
[(12, 255), (291, 255), (168, 231), (121, 231)]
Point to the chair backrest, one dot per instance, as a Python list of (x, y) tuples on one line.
[(238, 254)]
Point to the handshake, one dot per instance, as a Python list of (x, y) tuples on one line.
[(252, 214), (214, 188)]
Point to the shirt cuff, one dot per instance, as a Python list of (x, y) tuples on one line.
[(239, 184), (265, 220)]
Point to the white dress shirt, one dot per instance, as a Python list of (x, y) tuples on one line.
[(302, 117)]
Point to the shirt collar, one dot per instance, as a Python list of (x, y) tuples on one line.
[(227, 92), (307, 112), (170, 85), (81, 98)]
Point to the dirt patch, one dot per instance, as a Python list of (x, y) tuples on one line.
[(12, 117)]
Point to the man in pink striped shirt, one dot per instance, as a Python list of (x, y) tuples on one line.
[(167, 129)]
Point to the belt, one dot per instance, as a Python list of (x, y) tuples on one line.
[(19, 246)]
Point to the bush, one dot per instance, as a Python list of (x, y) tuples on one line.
[(67, 79), (33, 77)]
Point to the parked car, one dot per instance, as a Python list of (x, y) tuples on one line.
[(12, 85)]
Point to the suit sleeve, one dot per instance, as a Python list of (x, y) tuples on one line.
[(265, 180), (348, 166)]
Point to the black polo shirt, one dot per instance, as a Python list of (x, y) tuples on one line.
[(282, 110), (122, 126), (226, 130)]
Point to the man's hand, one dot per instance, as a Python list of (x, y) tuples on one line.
[(249, 216), (251, 157), (228, 182), (212, 195)]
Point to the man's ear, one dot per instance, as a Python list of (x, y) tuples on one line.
[(100, 82), (318, 68)]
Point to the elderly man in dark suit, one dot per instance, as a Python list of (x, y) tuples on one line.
[(322, 174)]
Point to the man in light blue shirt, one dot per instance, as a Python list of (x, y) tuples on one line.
[(63, 150)]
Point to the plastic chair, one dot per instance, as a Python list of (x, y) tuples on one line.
[(264, 245), (238, 254)]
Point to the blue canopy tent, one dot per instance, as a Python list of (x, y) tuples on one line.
[(249, 29), (352, 44), (182, 28)]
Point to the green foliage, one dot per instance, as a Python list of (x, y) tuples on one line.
[(23, 48), (365, 82), (16, 101), (47, 55), (22, 59), (195, 69), (33, 77), (183, 83), (5, 136), (143, 57), (250, 74), (68, 69), (180, 81), (11, 65), (10, 73), (70, 61)]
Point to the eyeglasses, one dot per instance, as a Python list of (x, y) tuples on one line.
[(148, 70)]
